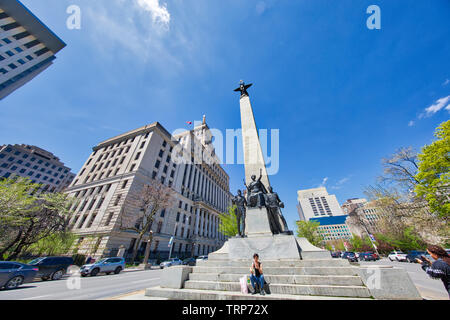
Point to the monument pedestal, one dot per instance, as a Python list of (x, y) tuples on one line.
[(257, 223), (272, 247)]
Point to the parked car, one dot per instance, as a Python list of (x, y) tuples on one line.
[(202, 258), (189, 262), (351, 257), (413, 255), (51, 267), (376, 256), (13, 274), (346, 253), (367, 256), (171, 262), (336, 254), (105, 265), (397, 255)]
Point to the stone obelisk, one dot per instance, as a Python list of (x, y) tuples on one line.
[(253, 156)]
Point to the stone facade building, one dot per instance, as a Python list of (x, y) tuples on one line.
[(37, 164), (27, 46), (362, 216), (313, 203), (116, 170)]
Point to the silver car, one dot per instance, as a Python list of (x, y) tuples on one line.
[(170, 262), (107, 265)]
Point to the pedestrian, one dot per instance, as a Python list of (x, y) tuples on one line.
[(89, 260), (439, 269), (257, 277)]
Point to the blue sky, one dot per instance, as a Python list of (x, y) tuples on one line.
[(343, 96)]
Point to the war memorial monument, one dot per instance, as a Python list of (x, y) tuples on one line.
[(293, 267)]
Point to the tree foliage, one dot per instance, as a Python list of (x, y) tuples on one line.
[(360, 244), (26, 217), (228, 222), (309, 230), (433, 174)]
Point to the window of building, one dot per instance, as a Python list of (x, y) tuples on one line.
[(124, 184), (42, 51), (117, 200), (178, 216)]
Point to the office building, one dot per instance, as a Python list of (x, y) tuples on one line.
[(37, 164), (333, 227), (118, 165), (27, 46), (317, 203)]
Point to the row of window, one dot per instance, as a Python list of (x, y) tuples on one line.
[(32, 159)]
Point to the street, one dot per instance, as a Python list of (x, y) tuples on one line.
[(429, 288), (109, 286), (90, 288)]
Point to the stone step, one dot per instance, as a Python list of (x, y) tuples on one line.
[(341, 271), (292, 289), (276, 263), (284, 279), (193, 294)]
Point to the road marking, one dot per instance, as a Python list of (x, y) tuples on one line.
[(145, 280), (47, 295)]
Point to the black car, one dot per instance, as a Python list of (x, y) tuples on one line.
[(413, 255), (51, 267), (189, 262), (366, 256), (336, 254), (13, 274), (350, 256)]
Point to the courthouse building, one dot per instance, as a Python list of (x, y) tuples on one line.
[(37, 164), (27, 46), (118, 166)]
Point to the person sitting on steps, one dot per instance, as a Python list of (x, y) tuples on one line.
[(257, 277)]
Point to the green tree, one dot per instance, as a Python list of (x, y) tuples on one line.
[(26, 216), (360, 244), (53, 245), (434, 172), (228, 222), (309, 230)]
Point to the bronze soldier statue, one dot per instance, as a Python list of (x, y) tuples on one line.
[(240, 203), (255, 192), (274, 205)]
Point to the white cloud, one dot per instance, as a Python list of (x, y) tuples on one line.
[(436, 107), (342, 181), (141, 29), (446, 82), (411, 123), (158, 11), (324, 181)]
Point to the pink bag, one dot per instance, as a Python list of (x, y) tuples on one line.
[(243, 282)]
